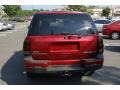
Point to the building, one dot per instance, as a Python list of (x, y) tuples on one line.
[(115, 11), (97, 12), (61, 8)]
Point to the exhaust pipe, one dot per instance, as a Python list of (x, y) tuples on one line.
[(67, 73)]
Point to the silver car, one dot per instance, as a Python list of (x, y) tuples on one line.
[(99, 24), (5, 25)]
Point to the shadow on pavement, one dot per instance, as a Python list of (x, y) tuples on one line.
[(108, 38), (12, 74), (112, 48)]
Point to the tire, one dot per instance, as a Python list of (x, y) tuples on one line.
[(115, 35)]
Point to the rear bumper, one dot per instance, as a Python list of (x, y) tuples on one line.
[(48, 66), (59, 69)]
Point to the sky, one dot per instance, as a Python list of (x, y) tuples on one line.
[(46, 7), (50, 7)]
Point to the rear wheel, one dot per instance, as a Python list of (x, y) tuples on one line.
[(115, 35)]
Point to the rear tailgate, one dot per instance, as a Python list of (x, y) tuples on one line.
[(59, 48)]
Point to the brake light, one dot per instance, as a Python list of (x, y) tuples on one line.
[(105, 27), (100, 45), (26, 47)]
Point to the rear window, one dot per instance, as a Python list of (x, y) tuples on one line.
[(102, 21), (56, 24)]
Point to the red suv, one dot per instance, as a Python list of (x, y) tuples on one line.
[(64, 43), (112, 30)]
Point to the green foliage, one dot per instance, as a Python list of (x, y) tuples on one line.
[(15, 10), (90, 10), (11, 10), (106, 12), (23, 13), (80, 8), (76, 8)]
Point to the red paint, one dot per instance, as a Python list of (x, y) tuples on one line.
[(113, 27), (60, 62), (59, 50)]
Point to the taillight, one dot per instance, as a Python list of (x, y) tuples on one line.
[(100, 45), (105, 27), (26, 47)]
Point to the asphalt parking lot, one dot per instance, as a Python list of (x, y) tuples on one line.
[(12, 70)]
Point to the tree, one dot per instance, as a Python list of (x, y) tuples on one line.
[(90, 10), (23, 13), (76, 8), (11, 10), (41, 9), (80, 8), (106, 12)]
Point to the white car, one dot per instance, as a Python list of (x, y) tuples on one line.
[(115, 18), (6, 25), (99, 24), (3, 26), (10, 25)]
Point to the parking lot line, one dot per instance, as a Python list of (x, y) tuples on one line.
[(112, 44)]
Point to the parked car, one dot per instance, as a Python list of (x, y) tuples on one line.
[(112, 30), (28, 18), (3, 25), (115, 18), (11, 25), (64, 43), (99, 24), (18, 19), (7, 24)]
